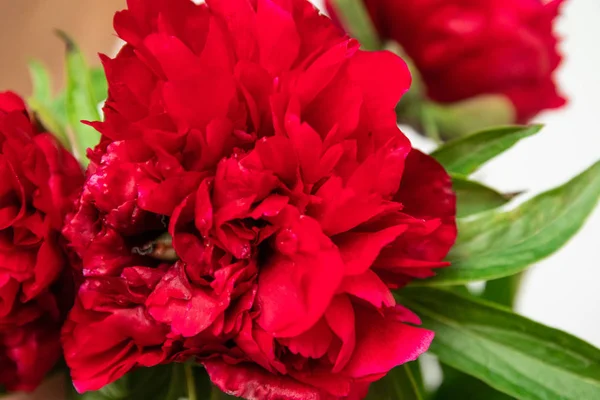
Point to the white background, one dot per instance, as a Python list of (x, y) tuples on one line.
[(563, 291)]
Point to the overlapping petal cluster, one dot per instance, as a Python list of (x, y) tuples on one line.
[(251, 204)]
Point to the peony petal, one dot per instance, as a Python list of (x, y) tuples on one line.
[(277, 155), (323, 70), (382, 343), (343, 209), (426, 193), (360, 249), (252, 382), (175, 58), (369, 287), (203, 213), (278, 39), (306, 279), (313, 343), (190, 111), (99, 349), (10, 102), (217, 49), (240, 17), (188, 310), (383, 78), (340, 318)]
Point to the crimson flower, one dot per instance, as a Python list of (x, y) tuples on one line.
[(251, 204), (463, 49), (38, 182)]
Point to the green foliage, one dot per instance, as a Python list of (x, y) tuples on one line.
[(465, 155), (473, 197), (510, 353), (81, 102), (357, 22), (498, 243), (62, 114), (163, 382), (457, 385), (401, 383), (50, 111)]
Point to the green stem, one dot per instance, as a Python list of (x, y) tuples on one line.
[(190, 382), (355, 18)]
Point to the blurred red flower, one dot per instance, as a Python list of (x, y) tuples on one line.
[(39, 181), (466, 48), (251, 204)]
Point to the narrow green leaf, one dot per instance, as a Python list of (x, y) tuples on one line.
[(496, 244), (81, 103), (163, 382), (465, 155), (401, 383), (503, 291), (462, 118), (46, 109), (510, 353), (473, 197), (357, 22), (458, 385), (99, 84), (41, 82)]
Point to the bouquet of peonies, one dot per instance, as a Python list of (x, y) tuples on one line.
[(245, 219)]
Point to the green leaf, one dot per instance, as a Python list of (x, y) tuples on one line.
[(50, 112), (465, 155), (496, 244), (81, 103), (473, 197), (503, 291), (458, 385), (462, 118), (401, 383), (41, 82), (99, 84), (163, 382), (357, 22), (510, 353)]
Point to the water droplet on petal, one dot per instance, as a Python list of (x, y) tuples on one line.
[(286, 242)]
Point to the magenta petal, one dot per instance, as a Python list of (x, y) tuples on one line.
[(187, 309), (250, 381), (426, 193), (426, 189), (340, 317), (277, 36), (240, 18), (10, 102), (369, 287), (382, 343), (190, 111), (313, 343), (307, 280), (360, 249), (100, 348)]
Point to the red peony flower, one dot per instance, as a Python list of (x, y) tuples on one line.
[(38, 182), (463, 49), (251, 204)]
